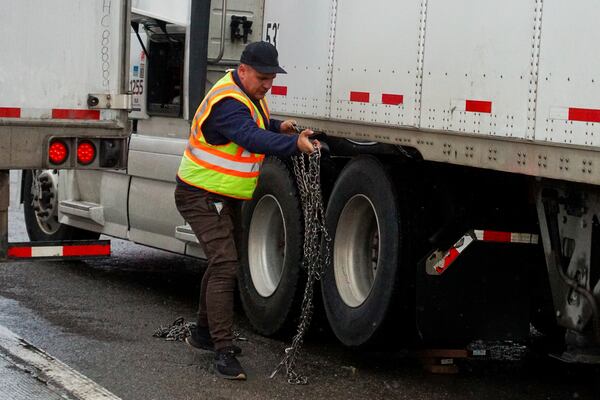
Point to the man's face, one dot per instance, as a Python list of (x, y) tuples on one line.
[(256, 83)]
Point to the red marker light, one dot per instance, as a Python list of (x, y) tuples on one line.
[(86, 152), (57, 152)]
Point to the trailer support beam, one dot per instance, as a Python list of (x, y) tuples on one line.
[(569, 217), (4, 201)]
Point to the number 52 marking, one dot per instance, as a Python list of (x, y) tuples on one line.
[(271, 33)]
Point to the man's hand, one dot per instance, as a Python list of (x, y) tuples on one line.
[(288, 126), (304, 143)]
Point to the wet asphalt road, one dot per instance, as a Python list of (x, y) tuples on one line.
[(98, 317)]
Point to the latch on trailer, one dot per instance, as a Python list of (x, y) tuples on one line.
[(106, 101)]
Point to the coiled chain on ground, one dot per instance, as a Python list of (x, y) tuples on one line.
[(316, 255), (177, 331)]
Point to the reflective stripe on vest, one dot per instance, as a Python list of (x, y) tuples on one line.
[(236, 166), (226, 169), (223, 93)]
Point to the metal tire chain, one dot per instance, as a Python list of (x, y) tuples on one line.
[(177, 331), (316, 254), (35, 182)]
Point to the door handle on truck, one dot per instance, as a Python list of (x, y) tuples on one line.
[(223, 25)]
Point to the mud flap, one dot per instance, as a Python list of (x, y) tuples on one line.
[(483, 295)]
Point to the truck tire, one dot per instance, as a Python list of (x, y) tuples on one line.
[(40, 208), (271, 250), (365, 281)]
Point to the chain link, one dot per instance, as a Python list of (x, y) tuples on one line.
[(316, 254), (177, 331), (499, 350), (35, 176)]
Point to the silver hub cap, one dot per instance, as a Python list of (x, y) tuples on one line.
[(356, 250), (45, 199), (266, 246)]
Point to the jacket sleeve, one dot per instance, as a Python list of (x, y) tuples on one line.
[(275, 125), (233, 120)]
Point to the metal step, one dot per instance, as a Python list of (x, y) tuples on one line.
[(83, 209), (185, 233)]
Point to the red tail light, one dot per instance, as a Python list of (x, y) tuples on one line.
[(86, 152), (57, 152)]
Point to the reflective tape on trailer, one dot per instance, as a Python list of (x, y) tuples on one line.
[(279, 90), (452, 254), (70, 249), (473, 106), (506, 237), (439, 261), (62, 113), (10, 112), (584, 114), (575, 114), (50, 113), (390, 99), (360, 97)]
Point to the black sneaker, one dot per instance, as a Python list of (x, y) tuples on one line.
[(200, 339), (227, 366)]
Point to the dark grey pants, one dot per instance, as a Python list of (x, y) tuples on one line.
[(211, 218)]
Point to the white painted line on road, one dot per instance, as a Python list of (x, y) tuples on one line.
[(58, 372)]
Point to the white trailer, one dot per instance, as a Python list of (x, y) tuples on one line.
[(63, 96), (445, 120), (63, 75)]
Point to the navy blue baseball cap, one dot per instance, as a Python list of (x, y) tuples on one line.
[(263, 57)]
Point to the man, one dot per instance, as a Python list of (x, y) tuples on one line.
[(230, 135)]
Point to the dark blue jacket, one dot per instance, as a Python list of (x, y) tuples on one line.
[(230, 120)]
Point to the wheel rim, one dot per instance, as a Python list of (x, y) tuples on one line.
[(266, 245), (356, 250), (44, 191)]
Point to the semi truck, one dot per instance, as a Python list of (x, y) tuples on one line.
[(460, 179)]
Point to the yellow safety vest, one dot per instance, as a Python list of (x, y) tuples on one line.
[(227, 169)]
